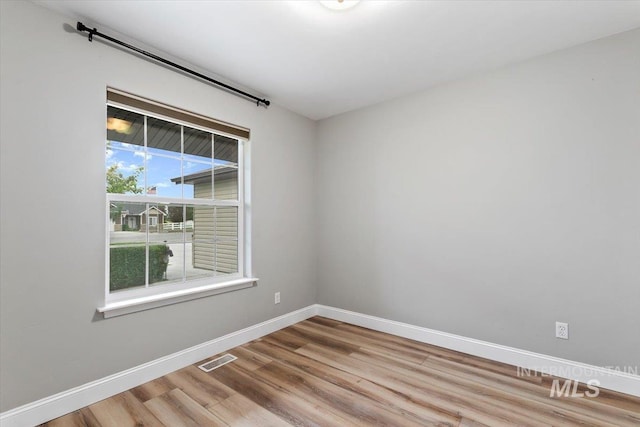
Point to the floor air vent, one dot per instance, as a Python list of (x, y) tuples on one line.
[(216, 363)]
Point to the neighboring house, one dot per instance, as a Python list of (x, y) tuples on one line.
[(215, 233), (133, 217)]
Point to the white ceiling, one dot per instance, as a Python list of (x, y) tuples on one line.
[(319, 62)]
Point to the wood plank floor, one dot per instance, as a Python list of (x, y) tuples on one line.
[(321, 372)]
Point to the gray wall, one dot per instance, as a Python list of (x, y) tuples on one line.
[(493, 206), (52, 211)]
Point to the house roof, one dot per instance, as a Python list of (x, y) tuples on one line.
[(222, 172), (136, 208)]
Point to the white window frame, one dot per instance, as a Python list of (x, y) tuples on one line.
[(128, 301)]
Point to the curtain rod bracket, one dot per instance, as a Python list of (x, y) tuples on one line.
[(93, 31), (81, 27)]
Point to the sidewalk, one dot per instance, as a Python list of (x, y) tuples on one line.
[(182, 253)]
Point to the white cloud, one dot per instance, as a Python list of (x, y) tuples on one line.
[(142, 154), (122, 166), (190, 165)]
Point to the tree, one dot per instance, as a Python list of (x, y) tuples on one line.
[(118, 183), (174, 213)]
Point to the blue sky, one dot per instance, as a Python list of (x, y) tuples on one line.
[(159, 171)]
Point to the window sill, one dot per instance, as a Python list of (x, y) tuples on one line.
[(153, 301)]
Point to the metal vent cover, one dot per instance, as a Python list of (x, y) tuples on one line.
[(217, 362)]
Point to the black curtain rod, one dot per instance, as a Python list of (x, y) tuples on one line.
[(93, 32)]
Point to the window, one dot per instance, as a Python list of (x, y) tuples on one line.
[(175, 205)]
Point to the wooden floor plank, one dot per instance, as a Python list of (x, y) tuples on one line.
[(282, 401), (238, 411), (324, 321), (426, 349), (249, 360), (485, 392), (585, 409), (322, 372), (606, 397), (363, 388), (177, 409), (382, 344), (347, 404), (123, 410), (152, 389), (465, 422), (287, 340), (199, 386), (88, 417), (338, 344), (423, 392), (74, 419)]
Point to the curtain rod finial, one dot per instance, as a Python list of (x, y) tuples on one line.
[(81, 27)]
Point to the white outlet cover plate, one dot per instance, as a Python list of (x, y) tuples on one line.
[(562, 330)]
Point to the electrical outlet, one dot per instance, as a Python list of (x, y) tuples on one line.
[(276, 298), (562, 330)]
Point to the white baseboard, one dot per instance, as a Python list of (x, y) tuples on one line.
[(68, 401), (616, 380)]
